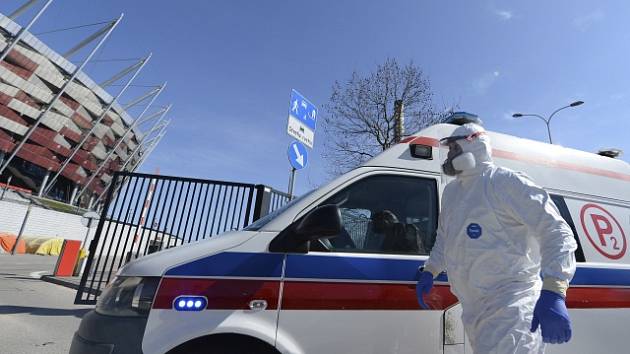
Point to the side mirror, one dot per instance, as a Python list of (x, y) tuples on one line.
[(321, 222)]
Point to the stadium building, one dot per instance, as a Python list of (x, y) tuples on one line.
[(76, 140)]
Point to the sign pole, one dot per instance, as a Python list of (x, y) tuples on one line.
[(301, 125), (291, 182)]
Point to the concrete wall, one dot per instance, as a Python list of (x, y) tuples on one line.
[(41, 222), (11, 216), (117, 239)]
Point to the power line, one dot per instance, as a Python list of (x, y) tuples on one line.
[(71, 28), (109, 60), (149, 86), (144, 105)]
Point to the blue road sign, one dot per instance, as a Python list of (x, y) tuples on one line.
[(298, 155), (303, 110), (302, 119)]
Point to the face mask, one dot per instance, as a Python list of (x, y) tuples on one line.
[(448, 169), (454, 150), (464, 162), (457, 161)]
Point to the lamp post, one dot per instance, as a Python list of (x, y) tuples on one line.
[(548, 120)]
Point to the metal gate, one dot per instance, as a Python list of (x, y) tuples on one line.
[(147, 213)]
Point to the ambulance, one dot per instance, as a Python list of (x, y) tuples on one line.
[(334, 271)]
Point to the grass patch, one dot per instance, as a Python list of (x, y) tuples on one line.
[(60, 206)]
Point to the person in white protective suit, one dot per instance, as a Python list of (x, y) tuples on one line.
[(498, 234)]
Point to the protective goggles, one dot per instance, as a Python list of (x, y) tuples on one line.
[(451, 139)]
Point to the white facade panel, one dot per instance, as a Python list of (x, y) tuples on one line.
[(106, 178), (14, 80), (99, 151), (100, 130), (81, 172), (118, 129), (62, 141), (12, 126), (24, 109), (85, 97), (50, 75), (83, 112), (73, 127), (122, 153), (8, 89), (63, 108), (38, 84), (54, 121)]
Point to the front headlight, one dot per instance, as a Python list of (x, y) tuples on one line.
[(128, 296)]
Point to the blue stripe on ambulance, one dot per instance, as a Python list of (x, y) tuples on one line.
[(269, 265)]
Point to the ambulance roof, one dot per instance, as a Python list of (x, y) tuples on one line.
[(551, 166)]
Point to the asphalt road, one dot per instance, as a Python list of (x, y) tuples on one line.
[(35, 316)]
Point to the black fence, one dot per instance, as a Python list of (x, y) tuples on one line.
[(148, 213)]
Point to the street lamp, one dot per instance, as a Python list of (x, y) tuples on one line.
[(548, 120)]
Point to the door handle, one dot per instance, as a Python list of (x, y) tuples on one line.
[(257, 305)]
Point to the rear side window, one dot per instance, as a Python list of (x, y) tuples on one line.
[(385, 214), (566, 215)]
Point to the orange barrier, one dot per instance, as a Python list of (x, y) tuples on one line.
[(68, 258), (8, 240)]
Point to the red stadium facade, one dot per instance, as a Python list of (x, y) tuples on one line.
[(80, 141)]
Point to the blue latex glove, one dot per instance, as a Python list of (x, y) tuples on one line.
[(552, 316), (425, 283)]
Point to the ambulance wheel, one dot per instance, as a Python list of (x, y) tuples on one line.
[(225, 344)]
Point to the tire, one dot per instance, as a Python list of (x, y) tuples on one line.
[(225, 344)]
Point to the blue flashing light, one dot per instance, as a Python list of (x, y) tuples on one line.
[(190, 303), (461, 118)]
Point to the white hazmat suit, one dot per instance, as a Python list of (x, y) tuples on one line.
[(498, 234)]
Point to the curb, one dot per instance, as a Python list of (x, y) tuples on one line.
[(68, 284), (54, 280)]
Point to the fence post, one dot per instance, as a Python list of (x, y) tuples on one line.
[(263, 198), (94, 243), (19, 235), (6, 187)]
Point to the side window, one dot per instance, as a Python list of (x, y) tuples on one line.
[(386, 214), (566, 215)]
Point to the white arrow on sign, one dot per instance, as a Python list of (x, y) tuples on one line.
[(300, 157)]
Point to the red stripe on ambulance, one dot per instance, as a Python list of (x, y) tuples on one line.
[(233, 294), (423, 140), (304, 295), (596, 297)]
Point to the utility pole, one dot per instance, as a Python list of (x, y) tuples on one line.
[(57, 95), (399, 121)]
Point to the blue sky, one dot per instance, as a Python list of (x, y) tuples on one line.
[(230, 66)]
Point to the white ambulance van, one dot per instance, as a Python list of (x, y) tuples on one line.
[(284, 284)]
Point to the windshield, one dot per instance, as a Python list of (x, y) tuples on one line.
[(258, 224)]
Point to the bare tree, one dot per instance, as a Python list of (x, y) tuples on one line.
[(360, 121)]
